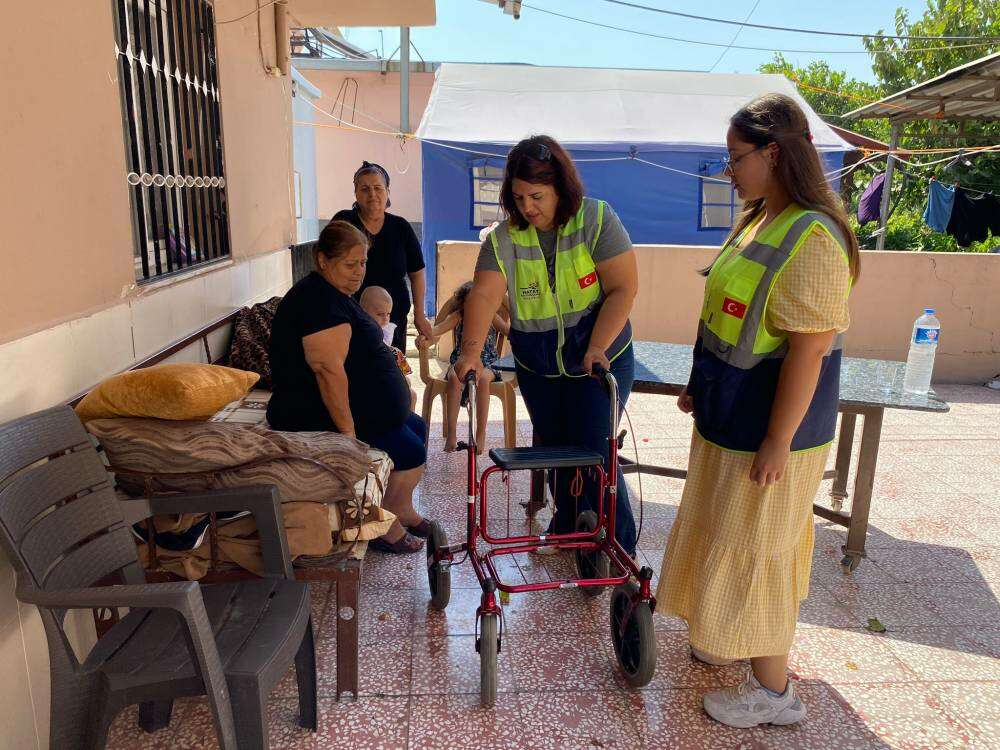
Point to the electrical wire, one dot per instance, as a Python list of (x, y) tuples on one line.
[(735, 37), (247, 15), (987, 41), (740, 46)]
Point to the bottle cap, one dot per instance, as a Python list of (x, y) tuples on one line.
[(929, 310)]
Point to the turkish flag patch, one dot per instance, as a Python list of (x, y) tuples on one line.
[(734, 308), (588, 280)]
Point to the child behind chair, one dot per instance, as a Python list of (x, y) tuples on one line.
[(450, 318)]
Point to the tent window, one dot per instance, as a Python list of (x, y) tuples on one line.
[(718, 203), (486, 181)]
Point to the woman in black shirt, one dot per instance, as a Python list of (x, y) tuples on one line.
[(395, 251), (332, 371)]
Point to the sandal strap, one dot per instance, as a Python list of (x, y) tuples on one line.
[(405, 545)]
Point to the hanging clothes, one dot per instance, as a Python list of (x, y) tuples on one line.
[(870, 202), (940, 199), (973, 217)]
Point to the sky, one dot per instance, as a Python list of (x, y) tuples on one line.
[(477, 31)]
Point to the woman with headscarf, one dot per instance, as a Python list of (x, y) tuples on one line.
[(394, 253)]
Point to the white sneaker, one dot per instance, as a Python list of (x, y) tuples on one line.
[(749, 704)]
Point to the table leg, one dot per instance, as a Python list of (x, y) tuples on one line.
[(347, 632), (857, 530), (845, 445)]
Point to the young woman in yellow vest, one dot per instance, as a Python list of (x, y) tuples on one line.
[(568, 265), (764, 391)]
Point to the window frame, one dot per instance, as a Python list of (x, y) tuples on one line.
[(168, 78), (488, 163), (708, 168)]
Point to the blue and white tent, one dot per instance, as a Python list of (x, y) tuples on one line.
[(614, 122)]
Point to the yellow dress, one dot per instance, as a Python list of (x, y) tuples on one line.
[(738, 559)]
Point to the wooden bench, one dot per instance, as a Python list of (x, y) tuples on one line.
[(345, 572)]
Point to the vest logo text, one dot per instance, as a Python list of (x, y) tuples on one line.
[(531, 291), (734, 308), (589, 280)]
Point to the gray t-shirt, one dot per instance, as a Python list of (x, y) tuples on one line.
[(613, 240)]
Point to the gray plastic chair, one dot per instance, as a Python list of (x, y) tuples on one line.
[(64, 529)]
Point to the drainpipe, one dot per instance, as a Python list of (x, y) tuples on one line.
[(404, 79), (282, 46)]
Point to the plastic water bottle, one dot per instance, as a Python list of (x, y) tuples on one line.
[(923, 347)]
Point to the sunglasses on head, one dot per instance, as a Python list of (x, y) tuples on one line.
[(536, 151)]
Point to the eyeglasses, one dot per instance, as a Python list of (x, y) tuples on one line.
[(730, 163)]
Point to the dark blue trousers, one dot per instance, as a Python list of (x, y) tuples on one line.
[(577, 412)]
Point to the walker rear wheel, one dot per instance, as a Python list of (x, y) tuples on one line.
[(632, 635), (438, 573)]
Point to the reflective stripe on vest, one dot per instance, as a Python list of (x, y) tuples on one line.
[(737, 360), (550, 328)]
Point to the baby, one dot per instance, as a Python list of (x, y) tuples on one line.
[(377, 302)]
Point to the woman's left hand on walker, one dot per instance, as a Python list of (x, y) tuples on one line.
[(595, 355), (770, 462), (423, 325)]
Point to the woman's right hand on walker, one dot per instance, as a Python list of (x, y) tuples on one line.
[(466, 364), (685, 402)]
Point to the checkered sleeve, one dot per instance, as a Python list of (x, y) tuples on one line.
[(811, 293)]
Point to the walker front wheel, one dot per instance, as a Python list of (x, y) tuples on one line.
[(489, 647), (632, 635)]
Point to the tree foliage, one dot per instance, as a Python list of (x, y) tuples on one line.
[(898, 64)]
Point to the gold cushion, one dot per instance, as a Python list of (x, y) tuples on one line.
[(180, 391)]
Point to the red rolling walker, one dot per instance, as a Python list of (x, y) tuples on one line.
[(596, 550)]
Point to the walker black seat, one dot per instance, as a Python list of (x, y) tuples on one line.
[(514, 459)]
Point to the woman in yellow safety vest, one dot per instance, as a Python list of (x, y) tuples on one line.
[(569, 269), (764, 390)]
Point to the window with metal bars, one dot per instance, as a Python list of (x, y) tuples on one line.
[(168, 71)]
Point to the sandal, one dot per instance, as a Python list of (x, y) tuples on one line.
[(422, 529), (405, 545)]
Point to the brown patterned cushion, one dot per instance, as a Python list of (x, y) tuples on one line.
[(154, 455), (251, 338)]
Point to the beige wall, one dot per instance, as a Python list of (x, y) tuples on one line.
[(70, 311), (339, 151), (893, 289), (64, 207)]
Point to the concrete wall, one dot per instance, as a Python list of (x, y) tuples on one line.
[(893, 289), (340, 150), (64, 205), (70, 310)]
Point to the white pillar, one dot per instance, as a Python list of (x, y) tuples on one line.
[(404, 79)]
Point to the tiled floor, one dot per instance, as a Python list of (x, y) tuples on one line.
[(932, 578)]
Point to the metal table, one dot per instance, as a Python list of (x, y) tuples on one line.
[(867, 388)]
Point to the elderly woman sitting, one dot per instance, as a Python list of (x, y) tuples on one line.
[(332, 371)]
